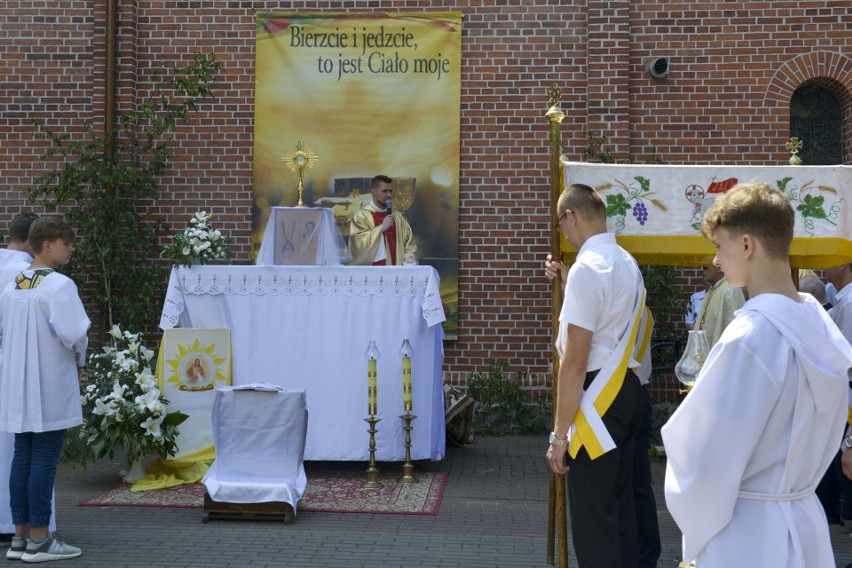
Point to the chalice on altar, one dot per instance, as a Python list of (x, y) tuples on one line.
[(693, 358)]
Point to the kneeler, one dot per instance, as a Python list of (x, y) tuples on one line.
[(259, 473)]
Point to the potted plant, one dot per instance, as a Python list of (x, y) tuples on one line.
[(123, 406)]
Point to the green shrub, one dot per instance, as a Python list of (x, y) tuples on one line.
[(503, 406)]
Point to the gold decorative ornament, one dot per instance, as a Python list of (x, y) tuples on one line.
[(298, 160), (794, 146)]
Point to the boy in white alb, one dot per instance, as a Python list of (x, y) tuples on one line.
[(13, 259), (43, 333), (748, 446)]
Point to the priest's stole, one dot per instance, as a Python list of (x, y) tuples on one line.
[(191, 363)]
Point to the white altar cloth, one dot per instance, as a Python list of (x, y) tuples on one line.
[(260, 446), (302, 236), (307, 327)]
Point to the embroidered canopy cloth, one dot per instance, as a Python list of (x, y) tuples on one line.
[(307, 327), (656, 211)]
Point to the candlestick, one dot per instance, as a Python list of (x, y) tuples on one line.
[(372, 354), (372, 471), (406, 351), (408, 467)]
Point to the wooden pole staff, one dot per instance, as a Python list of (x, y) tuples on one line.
[(557, 517)]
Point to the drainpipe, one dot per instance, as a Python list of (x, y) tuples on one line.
[(109, 102)]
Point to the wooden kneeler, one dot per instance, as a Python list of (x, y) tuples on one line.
[(268, 511)]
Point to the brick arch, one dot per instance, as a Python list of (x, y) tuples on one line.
[(829, 69), (821, 66)]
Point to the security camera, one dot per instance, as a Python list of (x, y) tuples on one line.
[(658, 68)]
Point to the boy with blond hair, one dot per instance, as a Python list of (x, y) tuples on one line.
[(748, 446), (43, 334)]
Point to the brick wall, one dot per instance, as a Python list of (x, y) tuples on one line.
[(733, 69)]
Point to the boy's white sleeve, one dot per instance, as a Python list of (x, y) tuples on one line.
[(710, 439), (69, 320)]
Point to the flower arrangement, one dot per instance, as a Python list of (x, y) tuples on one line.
[(199, 243), (122, 406)]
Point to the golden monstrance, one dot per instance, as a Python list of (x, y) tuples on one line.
[(299, 159)]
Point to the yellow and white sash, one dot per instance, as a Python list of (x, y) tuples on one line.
[(589, 429), (646, 330)]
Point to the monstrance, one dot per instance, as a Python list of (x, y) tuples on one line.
[(300, 159)]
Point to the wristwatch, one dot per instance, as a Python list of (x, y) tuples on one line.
[(556, 441), (847, 442)]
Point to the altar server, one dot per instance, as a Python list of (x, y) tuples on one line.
[(13, 259), (43, 329), (748, 446)]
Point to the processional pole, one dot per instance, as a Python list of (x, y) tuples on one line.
[(557, 517)]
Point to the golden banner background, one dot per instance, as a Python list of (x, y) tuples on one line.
[(370, 94)]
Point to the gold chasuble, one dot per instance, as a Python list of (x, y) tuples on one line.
[(365, 237), (718, 309)]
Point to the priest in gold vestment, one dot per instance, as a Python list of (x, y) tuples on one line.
[(378, 235), (720, 303)]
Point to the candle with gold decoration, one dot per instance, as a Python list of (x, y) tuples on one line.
[(372, 356), (406, 351)]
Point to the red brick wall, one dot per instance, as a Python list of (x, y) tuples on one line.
[(733, 70)]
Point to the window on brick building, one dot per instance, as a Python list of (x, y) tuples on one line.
[(816, 119)]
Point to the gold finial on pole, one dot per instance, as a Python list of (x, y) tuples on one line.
[(300, 159), (794, 146), (557, 516), (554, 113)]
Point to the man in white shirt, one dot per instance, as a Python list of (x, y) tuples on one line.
[(598, 404), (720, 303), (693, 307)]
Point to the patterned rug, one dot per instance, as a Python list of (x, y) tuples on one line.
[(328, 491)]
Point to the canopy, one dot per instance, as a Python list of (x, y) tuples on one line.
[(656, 210)]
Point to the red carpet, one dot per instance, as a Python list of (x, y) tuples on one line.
[(329, 491)]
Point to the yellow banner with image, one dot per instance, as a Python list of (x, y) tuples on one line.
[(368, 94)]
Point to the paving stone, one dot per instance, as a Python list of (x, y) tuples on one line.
[(493, 514)]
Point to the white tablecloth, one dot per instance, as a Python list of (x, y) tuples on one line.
[(307, 327), (260, 446), (302, 236)]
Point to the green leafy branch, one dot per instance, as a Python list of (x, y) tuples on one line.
[(104, 180)]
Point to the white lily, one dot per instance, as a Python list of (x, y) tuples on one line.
[(115, 331), (147, 353), (152, 426), (148, 400), (102, 409)]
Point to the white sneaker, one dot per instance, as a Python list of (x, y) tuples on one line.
[(17, 548), (54, 548)]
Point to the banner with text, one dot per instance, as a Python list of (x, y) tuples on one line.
[(366, 94)]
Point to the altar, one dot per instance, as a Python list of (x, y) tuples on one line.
[(307, 327)]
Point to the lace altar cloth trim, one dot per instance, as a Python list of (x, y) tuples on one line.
[(263, 281)]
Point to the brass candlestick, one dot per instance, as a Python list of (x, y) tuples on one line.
[(408, 467), (372, 471)]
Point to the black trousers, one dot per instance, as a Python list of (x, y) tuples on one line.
[(600, 491), (647, 525)]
